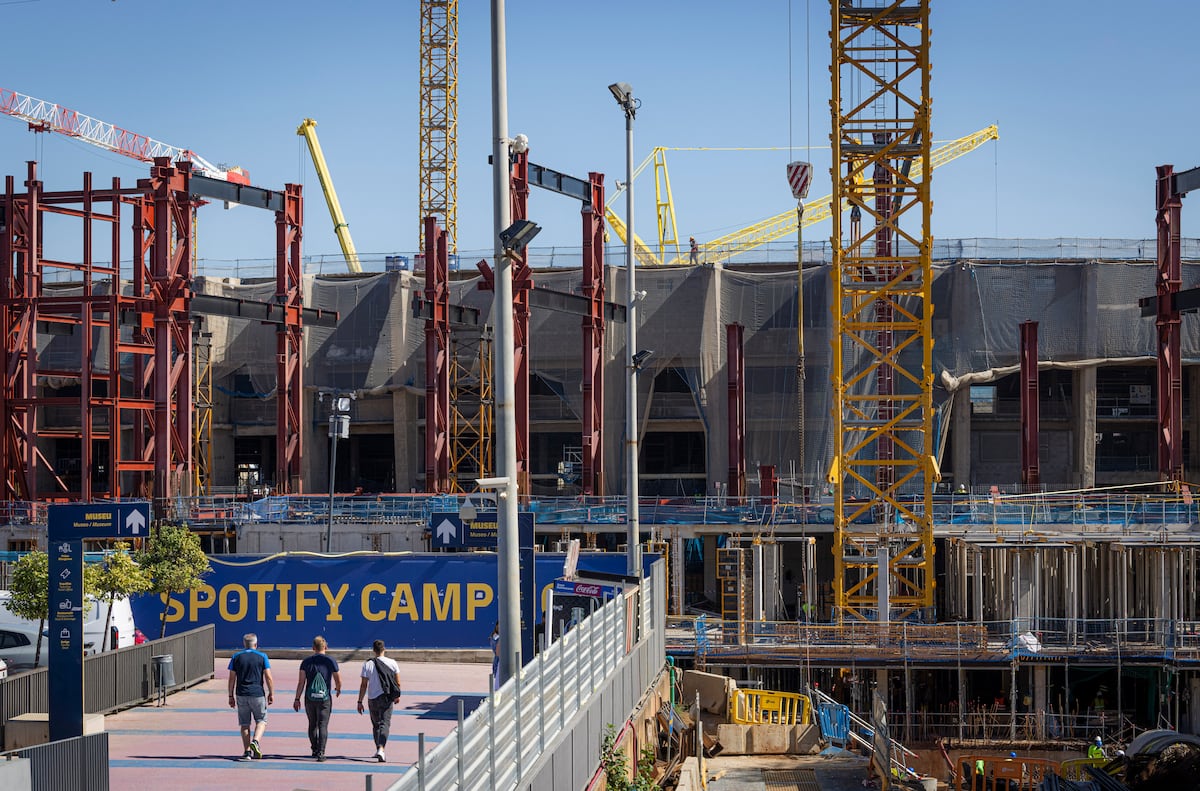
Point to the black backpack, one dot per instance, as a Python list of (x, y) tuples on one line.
[(387, 681)]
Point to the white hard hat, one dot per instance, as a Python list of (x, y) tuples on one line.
[(1099, 740)]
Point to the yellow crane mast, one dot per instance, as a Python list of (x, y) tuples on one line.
[(439, 118), (308, 130), (883, 467)]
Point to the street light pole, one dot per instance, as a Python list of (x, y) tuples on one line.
[(508, 587), (623, 93), (339, 427)]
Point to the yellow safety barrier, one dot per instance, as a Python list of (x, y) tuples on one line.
[(760, 706), (1076, 768)]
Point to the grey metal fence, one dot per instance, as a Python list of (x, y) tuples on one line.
[(542, 728), (79, 764), (114, 679)]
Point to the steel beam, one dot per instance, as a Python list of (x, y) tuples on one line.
[(289, 448), (1030, 407), (1167, 323), (253, 310), (735, 365), (437, 360), (522, 283), (594, 315)]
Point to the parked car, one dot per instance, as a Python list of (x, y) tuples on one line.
[(18, 637)]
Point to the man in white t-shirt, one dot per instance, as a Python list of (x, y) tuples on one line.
[(379, 704)]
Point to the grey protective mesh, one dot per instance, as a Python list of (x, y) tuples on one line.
[(1087, 311)]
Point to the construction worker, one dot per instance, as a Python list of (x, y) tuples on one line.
[(1096, 749), (693, 251)]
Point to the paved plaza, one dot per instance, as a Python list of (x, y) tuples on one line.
[(192, 743)]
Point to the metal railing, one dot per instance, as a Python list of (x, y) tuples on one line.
[(507, 742), (997, 640), (1007, 513), (79, 764), (115, 679)]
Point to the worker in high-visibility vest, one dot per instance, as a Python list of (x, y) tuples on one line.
[(1096, 749)]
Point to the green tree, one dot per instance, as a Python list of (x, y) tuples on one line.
[(174, 563), (117, 577), (30, 594)]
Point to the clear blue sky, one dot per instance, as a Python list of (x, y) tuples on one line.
[(1089, 95)]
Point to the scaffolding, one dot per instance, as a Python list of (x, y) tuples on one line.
[(471, 402)]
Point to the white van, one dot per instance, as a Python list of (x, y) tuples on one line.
[(18, 637)]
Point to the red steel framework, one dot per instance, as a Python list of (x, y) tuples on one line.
[(591, 194), (133, 338), (1169, 201), (437, 360), (522, 281), (735, 364), (593, 338), (289, 231), (1030, 408)]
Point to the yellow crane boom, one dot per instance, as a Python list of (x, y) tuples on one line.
[(784, 224), (308, 130)]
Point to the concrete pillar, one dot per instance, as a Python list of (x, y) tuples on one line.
[(404, 441), (1192, 716), (1191, 395), (1039, 699), (711, 589), (1085, 426), (960, 436)]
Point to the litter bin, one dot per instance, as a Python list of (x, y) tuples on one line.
[(164, 670)]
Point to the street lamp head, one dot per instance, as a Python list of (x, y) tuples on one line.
[(623, 93), (640, 358), (342, 404), (517, 236), (520, 144)]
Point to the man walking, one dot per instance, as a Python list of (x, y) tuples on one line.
[(376, 672), (251, 690), (318, 675)]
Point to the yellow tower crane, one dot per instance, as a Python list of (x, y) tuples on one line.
[(883, 467), (308, 130), (439, 118)]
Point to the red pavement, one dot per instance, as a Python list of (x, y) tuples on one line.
[(192, 743)]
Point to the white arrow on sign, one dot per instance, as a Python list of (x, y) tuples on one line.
[(135, 522), (446, 531)]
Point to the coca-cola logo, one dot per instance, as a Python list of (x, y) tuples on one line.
[(587, 590)]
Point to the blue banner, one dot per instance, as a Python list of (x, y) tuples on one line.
[(422, 601)]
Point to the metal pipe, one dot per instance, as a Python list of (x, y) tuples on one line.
[(333, 438), (504, 385)]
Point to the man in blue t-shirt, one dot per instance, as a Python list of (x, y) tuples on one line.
[(251, 689), (318, 697)]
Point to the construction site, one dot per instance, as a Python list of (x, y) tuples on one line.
[(956, 474)]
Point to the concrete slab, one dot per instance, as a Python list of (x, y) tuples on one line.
[(192, 743)]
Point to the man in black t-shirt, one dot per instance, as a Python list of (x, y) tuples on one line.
[(318, 694), (251, 689)]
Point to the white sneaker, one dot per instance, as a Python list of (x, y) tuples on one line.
[(379, 755)]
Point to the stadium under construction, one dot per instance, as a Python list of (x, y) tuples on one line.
[(951, 471)]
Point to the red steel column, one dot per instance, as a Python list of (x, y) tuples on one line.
[(593, 338), (1170, 365), (170, 278), (521, 283), (736, 375), (19, 284), (437, 360), (289, 441), (1030, 408), (768, 484)]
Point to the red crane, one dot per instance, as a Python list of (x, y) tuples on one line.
[(46, 116)]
